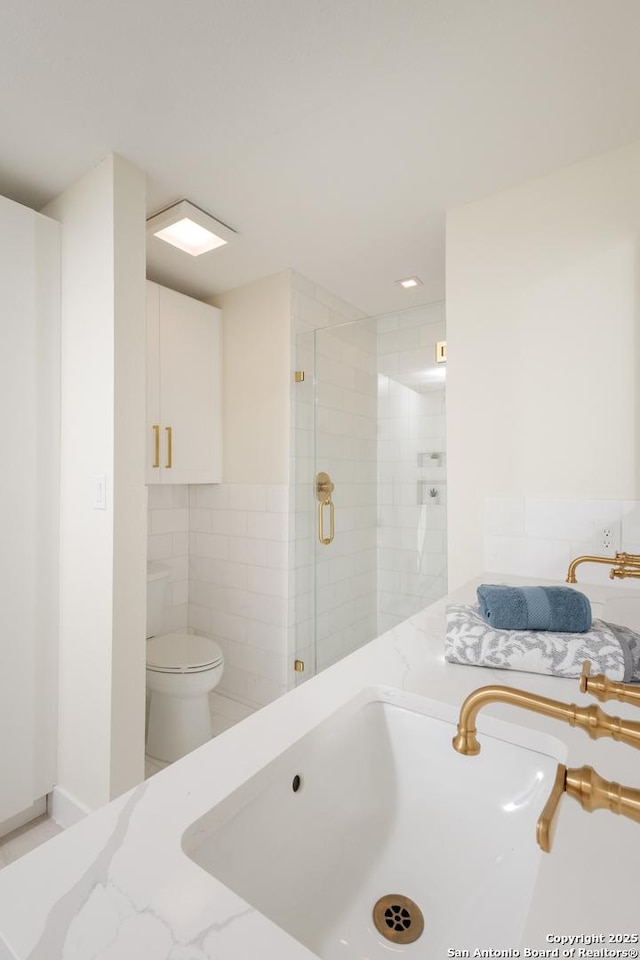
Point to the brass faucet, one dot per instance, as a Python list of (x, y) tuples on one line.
[(623, 565), (592, 719), (581, 783)]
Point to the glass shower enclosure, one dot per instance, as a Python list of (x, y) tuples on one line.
[(369, 479)]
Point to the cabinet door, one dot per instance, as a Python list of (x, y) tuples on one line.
[(154, 425), (30, 496), (190, 390)]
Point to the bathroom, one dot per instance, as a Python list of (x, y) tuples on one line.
[(234, 559), (244, 564), (566, 466)]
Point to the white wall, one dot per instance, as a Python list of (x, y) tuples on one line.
[(129, 491), (102, 552), (256, 373), (542, 309)]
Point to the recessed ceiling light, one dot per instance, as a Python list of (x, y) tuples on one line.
[(189, 228), (409, 282)]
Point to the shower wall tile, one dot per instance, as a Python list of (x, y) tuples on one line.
[(412, 565)]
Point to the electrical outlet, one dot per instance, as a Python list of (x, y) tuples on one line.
[(606, 536)]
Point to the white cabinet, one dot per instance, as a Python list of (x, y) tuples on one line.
[(30, 496), (184, 389)]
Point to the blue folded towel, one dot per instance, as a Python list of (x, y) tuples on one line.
[(559, 609)]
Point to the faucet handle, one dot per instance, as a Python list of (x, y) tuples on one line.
[(592, 792), (600, 687), (546, 825)]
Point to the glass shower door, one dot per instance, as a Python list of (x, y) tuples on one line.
[(370, 470), (346, 409)]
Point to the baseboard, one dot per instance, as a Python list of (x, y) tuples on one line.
[(37, 808), (65, 809)]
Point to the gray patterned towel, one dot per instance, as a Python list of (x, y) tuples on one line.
[(611, 649)]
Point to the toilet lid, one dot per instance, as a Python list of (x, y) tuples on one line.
[(182, 653)]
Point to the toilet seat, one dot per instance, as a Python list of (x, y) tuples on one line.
[(182, 653)]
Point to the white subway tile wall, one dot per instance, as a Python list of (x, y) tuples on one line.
[(239, 586), (226, 550), (168, 546), (539, 538)]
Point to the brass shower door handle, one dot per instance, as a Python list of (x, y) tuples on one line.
[(324, 489), (332, 522)]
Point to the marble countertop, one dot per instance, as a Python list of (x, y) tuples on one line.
[(117, 886)]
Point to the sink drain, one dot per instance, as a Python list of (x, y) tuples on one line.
[(398, 918)]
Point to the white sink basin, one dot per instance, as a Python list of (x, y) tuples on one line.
[(386, 806)]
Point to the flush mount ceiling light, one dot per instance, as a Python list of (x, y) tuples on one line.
[(189, 228), (409, 282)]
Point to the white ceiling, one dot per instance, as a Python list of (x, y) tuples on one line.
[(331, 134)]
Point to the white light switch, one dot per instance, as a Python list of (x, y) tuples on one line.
[(100, 492)]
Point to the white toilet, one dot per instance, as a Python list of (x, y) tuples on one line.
[(181, 670)]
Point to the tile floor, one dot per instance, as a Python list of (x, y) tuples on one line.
[(14, 845)]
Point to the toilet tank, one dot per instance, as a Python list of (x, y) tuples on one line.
[(156, 588)]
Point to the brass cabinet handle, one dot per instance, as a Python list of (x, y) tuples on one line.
[(156, 445), (332, 524), (169, 463)]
